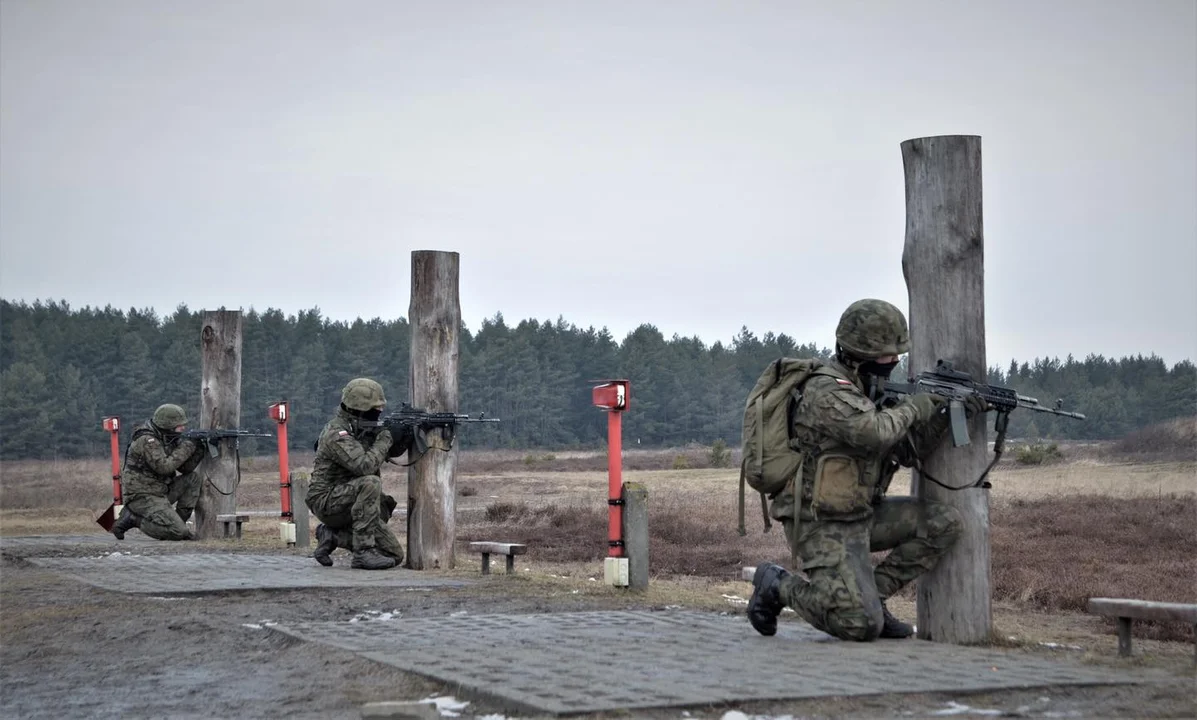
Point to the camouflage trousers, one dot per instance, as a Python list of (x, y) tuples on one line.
[(842, 592), (358, 511), (165, 518)]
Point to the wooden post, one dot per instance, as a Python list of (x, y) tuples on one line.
[(435, 317), (943, 261), (635, 534), (220, 408)]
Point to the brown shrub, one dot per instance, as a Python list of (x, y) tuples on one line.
[(1174, 439), (1046, 555), (1058, 553), (688, 534), (692, 456)]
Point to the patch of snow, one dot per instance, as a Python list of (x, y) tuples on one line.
[(1063, 647), (955, 708), (447, 705), (734, 599), (252, 626)]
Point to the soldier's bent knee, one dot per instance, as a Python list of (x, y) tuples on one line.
[(855, 624), (944, 522)]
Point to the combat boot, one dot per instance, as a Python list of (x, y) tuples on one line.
[(327, 540), (765, 604), (893, 627), (127, 521), (371, 559)]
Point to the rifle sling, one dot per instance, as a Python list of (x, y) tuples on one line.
[(999, 446)]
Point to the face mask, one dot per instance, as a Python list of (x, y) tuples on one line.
[(876, 369), (372, 415), (874, 375)]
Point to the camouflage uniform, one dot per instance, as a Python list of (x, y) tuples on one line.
[(160, 482), (346, 490), (861, 447), (851, 450)]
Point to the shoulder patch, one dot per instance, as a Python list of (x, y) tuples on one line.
[(150, 440), (343, 433), (842, 381)]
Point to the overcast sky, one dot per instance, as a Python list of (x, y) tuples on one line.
[(695, 165)]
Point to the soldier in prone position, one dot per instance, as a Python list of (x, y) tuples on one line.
[(346, 491), (161, 485), (838, 514)]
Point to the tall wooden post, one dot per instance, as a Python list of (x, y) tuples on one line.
[(435, 317), (220, 408), (944, 264)]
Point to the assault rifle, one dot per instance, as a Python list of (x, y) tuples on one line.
[(957, 386), (418, 422), (210, 438)]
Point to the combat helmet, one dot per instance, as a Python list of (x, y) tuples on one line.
[(363, 395), (168, 417), (873, 328)]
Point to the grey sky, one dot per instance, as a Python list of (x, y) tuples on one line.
[(696, 165)]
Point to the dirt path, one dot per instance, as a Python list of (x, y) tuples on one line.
[(70, 650)]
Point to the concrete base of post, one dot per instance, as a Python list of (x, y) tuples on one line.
[(299, 511), (635, 534)]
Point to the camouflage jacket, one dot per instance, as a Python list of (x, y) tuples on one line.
[(853, 448), (345, 451), (153, 459)]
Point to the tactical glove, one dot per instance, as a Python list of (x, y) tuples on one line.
[(382, 440), (975, 405), (926, 405)]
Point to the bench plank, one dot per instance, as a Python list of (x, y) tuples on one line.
[(499, 548), (232, 518), (1144, 609)]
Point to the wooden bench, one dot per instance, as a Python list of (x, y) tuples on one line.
[(1127, 611), (229, 520), (489, 548)]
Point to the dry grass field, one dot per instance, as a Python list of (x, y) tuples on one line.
[(1099, 521)]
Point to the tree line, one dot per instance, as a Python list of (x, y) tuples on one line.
[(63, 369)]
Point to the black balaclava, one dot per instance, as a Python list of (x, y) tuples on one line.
[(872, 373), (371, 415)]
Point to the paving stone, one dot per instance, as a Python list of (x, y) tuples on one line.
[(199, 573), (601, 661), (33, 541)]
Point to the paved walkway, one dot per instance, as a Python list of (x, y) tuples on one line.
[(575, 662), (602, 661), (199, 573)]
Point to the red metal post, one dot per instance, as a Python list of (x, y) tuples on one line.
[(614, 396), (113, 425), (278, 413), (615, 482)]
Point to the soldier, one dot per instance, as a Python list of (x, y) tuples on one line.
[(161, 486), (346, 490), (853, 448)]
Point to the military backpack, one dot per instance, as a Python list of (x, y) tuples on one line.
[(768, 459)]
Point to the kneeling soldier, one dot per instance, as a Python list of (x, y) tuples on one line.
[(161, 486), (346, 491)]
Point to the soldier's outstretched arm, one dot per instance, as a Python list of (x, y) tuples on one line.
[(191, 463), (355, 457), (925, 437), (158, 459), (846, 414)]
